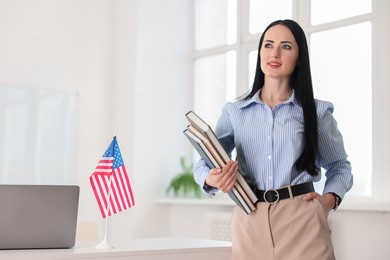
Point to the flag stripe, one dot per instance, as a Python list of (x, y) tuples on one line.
[(123, 193), (118, 195), (127, 188), (98, 194)]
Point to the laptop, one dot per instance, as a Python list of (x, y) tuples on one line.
[(38, 216)]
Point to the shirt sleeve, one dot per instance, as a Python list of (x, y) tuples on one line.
[(331, 153), (201, 171)]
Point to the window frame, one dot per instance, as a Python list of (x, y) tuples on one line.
[(380, 199)]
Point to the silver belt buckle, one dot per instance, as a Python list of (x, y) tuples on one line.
[(276, 195)]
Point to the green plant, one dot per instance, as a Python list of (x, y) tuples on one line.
[(183, 184)]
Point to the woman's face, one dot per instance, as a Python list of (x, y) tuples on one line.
[(279, 52)]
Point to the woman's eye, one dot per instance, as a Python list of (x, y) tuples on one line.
[(268, 45), (287, 47)]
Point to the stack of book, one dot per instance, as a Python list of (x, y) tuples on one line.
[(206, 143)]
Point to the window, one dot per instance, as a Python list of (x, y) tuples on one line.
[(344, 43), (349, 61)]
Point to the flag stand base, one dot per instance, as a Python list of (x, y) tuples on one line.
[(105, 245)]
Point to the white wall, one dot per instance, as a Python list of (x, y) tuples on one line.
[(129, 62), (158, 93), (162, 85), (65, 46), (110, 52)]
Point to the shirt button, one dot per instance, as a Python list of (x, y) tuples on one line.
[(269, 157)]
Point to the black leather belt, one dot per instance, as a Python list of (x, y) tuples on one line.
[(273, 196)]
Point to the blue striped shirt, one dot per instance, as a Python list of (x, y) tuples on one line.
[(269, 141)]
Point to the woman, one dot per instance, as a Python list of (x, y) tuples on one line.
[(282, 136)]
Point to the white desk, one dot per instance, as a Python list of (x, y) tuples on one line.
[(136, 249)]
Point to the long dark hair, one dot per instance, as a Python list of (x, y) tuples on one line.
[(301, 83)]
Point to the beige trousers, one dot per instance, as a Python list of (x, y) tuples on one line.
[(288, 230)]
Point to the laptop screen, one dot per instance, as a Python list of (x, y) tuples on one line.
[(38, 216)]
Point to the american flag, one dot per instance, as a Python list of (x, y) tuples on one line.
[(110, 182)]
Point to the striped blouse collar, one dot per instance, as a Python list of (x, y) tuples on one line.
[(256, 99)]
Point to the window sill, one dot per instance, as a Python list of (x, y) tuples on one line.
[(220, 200), (217, 200), (364, 205)]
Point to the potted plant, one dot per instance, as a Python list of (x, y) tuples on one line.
[(183, 184)]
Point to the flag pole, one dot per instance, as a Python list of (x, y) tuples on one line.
[(105, 244)]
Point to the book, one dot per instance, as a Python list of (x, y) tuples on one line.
[(211, 162), (205, 142), (208, 145), (201, 149), (241, 190), (199, 124)]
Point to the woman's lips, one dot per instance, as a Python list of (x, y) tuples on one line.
[(274, 64)]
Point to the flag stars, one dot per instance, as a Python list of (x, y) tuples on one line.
[(113, 151)]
